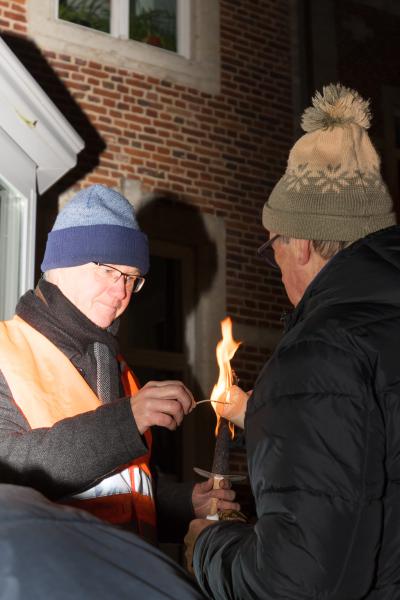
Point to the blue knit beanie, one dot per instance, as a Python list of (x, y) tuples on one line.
[(97, 225)]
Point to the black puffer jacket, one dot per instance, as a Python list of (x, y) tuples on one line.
[(323, 439)]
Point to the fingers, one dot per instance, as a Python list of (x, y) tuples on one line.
[(235, 408), (225, 505), (164, 413), (206, 486), (172, 390), (225, 484), (204, 493), (225, 499), (163, 403), (224, 494)]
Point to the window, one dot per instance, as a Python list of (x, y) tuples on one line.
[(13, 241), (151, 22), (176, 40), (162, 329)]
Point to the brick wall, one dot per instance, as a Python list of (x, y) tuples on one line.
[(13, 16), (222, 153)]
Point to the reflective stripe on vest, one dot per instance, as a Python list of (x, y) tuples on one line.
[(47, 388)]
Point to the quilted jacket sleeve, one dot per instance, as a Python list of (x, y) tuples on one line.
[(315, 449)]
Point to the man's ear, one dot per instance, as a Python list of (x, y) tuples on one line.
[(302, 251)]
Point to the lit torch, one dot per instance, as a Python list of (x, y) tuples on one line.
[(224, 430)]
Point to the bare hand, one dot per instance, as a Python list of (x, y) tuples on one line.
[(235, 409), (203, 492), (162, 403), (195, 528)]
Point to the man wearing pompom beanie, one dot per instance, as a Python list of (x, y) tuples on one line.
[(322, 424), (74, 424)]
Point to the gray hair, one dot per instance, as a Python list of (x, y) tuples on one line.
[(326, 249)]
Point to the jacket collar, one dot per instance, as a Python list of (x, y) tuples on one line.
[(359, 273)]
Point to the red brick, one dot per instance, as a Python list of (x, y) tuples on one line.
[(19, 27), (14, 16)]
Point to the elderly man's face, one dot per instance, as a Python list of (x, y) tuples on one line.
[(99, 299), (299, 264)]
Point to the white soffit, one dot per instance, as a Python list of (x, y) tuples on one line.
[(31, 119)]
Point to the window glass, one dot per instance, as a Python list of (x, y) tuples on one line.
[(153, 22), (13, 223), (154, 316), (192, 40), (89, 13)]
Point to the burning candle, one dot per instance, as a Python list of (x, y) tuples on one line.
[(224, 430), (225, 351)]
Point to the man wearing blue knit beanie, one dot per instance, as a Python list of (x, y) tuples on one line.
[(74, 424)]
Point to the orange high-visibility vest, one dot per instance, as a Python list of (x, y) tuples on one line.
[(47, 388)]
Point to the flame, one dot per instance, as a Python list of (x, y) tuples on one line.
[(225, 351)]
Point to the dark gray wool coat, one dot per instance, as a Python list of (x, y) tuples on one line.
[(323, 443)]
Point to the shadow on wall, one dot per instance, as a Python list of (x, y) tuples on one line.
[(177, 231), (35, 62)]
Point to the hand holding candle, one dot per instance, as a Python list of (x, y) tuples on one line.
[(204, 493), (235, 407), (220, 477)]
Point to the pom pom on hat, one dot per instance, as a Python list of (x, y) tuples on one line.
[(97, 225), (336, 106)]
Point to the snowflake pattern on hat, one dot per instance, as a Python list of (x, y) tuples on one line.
[(332, 179)]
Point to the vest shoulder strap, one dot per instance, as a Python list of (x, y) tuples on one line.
[(131, 385)]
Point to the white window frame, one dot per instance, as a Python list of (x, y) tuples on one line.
[(18, 172), (196, 64), (38, 147)]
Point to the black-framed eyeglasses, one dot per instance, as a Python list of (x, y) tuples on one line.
[(266, 252), (133, 283)]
